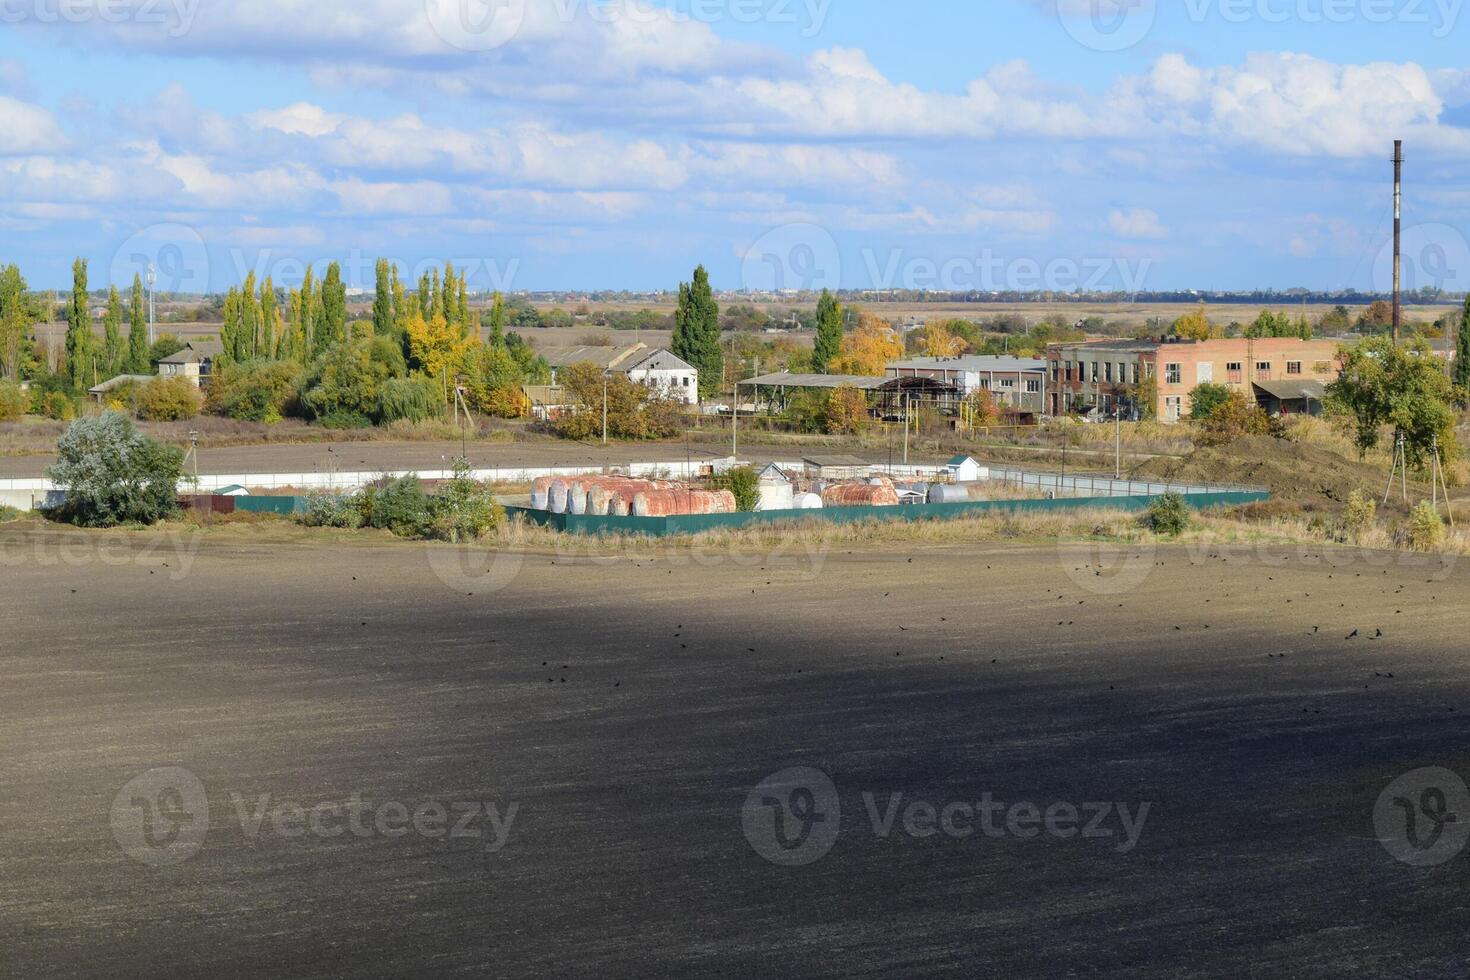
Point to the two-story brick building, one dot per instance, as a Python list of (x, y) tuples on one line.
[(1102, 376)]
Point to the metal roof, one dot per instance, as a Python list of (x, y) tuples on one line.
[(835, 461), (1288, 390), (785, 379), (972, 363)]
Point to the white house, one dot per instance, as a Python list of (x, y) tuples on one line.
[(654, 367)]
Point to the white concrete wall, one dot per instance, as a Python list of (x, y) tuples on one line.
[(25, 493)]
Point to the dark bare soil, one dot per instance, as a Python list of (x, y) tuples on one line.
[(628, 708)]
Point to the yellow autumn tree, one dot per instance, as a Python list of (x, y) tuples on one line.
[(434, 346), (937, 341), (1193, 326), (868, 350)]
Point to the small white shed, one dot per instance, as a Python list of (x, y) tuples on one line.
[(964, 469)]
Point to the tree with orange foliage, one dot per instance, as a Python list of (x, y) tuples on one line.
[(869, 349), (937, 341)]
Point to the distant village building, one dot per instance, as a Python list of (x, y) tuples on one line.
[(655, 368), (1107, 375), (195, 361), (1016, 384)]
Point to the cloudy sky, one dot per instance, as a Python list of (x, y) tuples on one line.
[(588, 144)]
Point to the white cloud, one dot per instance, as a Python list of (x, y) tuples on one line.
[(27, 128), (1137, 223)]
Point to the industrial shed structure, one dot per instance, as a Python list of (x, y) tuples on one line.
[(887, 397)]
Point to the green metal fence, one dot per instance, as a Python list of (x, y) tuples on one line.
[(660, 527), (285, 506)]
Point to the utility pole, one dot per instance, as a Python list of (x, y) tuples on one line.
[(1118, 421), (735, 426), (1398, 230), (905, 429), (604, 407)]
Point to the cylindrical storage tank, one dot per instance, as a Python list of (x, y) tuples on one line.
[(656, 503), (776, 496), (859, 495), (951, 493), (538, 499), (598, 501), (577, 498), (717, 502), (556, 497), (621, 504), (806, 501)]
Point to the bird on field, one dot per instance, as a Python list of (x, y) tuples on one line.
[(1352, 636)]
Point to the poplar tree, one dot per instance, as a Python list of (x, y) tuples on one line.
[(497, 321), (829, 332), (1462, 349), (697, 333), (137, 331), (383, 324), (333, 326), (112, 356), (270, 321), (79, 328)]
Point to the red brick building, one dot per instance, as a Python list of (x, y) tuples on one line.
[(1108, 374)]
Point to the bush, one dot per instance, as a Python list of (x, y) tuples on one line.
[(1168, 515), (254, 391), (462, 510), (1206, 398), (58, 406), (401, 507), (847, 412), (328, 508), (9, 513), (1425, 528), (14, 402), (1361, 514), (744, 483), (341, 387), (169, 400), (407, 400), (113, 474), (1232, 419)]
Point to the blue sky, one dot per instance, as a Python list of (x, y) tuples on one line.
[(604, 144)]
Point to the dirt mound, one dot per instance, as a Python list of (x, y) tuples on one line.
[(1309, 475)]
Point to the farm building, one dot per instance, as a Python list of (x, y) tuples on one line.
[(1291, 397), (654, 367), (887, 397), (1016, 384)]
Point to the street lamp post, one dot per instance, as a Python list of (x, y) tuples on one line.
[(152, 279)]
